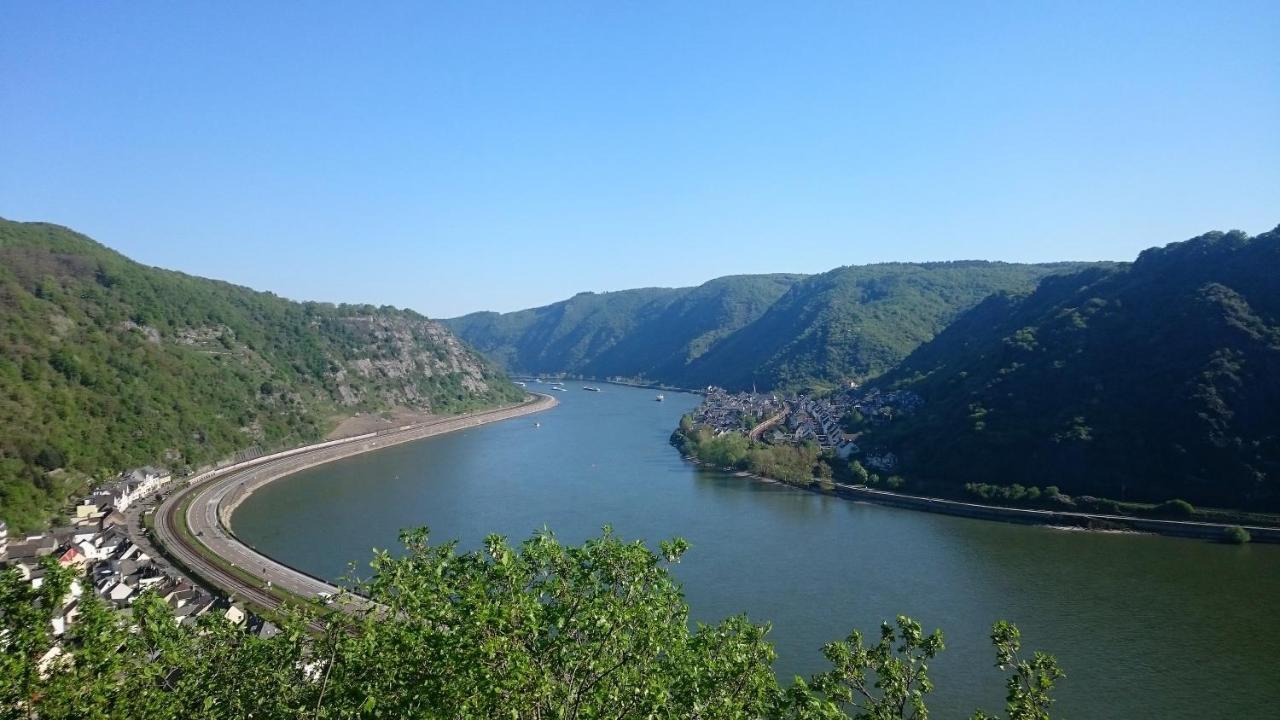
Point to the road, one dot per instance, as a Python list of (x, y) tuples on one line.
[(210, 546)]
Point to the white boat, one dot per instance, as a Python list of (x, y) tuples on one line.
[(558, 388), (590, 389), (659, 398)]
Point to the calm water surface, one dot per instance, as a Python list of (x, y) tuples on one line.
[(1145, 626)]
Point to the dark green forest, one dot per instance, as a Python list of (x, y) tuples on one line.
[(1147, 382), (770, 331), (108, 364)]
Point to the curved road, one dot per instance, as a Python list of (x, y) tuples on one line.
[(210, 545)]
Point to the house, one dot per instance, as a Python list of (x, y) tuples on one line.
[(88, 511), (117, 591), (114, 518), (110, 541), (145, 480), (72, 557), (67, 615), (263, 628), (235, 615), (31, 547), (131, 485)]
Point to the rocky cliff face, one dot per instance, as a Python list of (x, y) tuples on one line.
[(402, 353)]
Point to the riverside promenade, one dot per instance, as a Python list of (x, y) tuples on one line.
[(193, 528)]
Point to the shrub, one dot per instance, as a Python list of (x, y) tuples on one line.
[(1235, 535), (1175, 509)]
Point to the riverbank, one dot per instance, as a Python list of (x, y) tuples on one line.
[(193, 525), (624, 383), (1025, 516)]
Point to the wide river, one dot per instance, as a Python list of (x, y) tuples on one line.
[(1145, 626)]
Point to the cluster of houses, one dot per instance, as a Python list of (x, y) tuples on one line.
[(818, 421), (128, 488), (723, 411), (878, 406), (804, 419), (108, 563)]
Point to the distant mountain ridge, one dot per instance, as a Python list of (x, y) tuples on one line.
[(108, 364), (741, 331), (1149, 381)]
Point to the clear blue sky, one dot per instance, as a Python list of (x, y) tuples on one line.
[(452, 157)]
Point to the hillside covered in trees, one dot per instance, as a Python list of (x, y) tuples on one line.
[(109, 364), (735, 332), (1146, 382)]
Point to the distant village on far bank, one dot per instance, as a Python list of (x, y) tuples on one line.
[(823, 421)]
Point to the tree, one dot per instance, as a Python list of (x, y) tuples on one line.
[(860, 474), (1032, 680), (1236, 535), (882, 682), (536, 630)]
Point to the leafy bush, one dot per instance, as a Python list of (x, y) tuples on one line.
[(538, 630), (1236, 535)]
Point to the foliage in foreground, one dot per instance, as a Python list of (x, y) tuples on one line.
[(540, 630)]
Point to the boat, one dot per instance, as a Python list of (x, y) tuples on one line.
[(590, 389), (559, 388), (659, 398), (517, 382)]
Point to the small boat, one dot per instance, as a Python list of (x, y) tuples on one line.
[(659, 398), (517, 382), (537, 424), (558, 388), (590, 389)]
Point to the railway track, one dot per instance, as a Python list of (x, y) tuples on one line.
[(192, 526)]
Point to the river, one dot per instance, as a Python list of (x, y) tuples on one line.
[(1144, 626)]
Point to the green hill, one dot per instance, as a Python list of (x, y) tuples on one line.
[(108, 364), (1146, 382), (650, 332), (767, 330)]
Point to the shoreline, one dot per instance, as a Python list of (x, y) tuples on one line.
[(202, 510), (1055, 519), (393, 436)]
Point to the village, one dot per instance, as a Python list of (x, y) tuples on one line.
[(111, 561), (824, 421)]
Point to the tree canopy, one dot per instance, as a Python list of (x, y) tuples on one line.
[(538, 630)]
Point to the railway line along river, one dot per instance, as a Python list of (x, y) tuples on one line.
[(1144, 626)]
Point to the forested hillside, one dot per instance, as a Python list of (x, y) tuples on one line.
[(767, 330), (650, 332), (108, 364), (1147, 382), (855, 322)]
